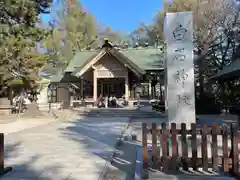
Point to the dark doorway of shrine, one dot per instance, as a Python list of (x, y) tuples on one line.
[(111, 87)]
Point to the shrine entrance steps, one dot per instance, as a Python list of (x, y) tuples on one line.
[(116, 112)]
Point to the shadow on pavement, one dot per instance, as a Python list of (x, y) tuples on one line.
[(41, 153), (97, 135), (124, 160), (25, 169)]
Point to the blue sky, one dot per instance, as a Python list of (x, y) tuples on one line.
[(121, 15)]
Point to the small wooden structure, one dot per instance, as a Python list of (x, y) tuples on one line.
[(3, 169), (171, 159)]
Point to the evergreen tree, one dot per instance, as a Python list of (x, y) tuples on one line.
[(19, 36)]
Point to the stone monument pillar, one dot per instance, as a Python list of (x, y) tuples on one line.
[(180, 68)]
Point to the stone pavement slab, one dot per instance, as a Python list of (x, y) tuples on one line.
[(113, 173), (23, 124), (4, 119), (70, 150)]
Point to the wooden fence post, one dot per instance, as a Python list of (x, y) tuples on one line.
[(144, 173), (225, 149), (173, 131), (234, 141), (204, 147), (194, 146), (1, 152), (184, 146), (3, 170), (154, 145), (214, 147), (164, 147)]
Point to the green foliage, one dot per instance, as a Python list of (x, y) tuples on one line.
[(74, 31), (114, 37), (19, 36)]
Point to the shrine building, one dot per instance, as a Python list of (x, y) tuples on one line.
[(110, 71)]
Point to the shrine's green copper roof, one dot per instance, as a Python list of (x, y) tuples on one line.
[(145, 58), (57, 77), (148, 58), (79, 59)]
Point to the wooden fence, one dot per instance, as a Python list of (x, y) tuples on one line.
[(3, 170), (169, 144)]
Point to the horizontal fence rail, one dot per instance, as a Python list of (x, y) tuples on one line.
[(194, 144)]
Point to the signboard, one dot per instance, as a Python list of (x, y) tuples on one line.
[(180, 68)]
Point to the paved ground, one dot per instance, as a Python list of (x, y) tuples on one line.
[(72, 150), (7, 118), (123, 164), (23, 124)]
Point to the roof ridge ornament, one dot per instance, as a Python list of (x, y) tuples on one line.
[(107, 43)]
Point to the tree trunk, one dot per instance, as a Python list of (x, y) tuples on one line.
[(201, 77)]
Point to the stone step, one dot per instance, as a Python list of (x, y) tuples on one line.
[(119, 113), (108, 112)]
